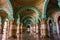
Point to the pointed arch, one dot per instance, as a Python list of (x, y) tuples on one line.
[(31, 16), (10, 16), (28, 7), (44, 8)]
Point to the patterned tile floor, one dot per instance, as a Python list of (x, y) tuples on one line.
[(27, 36)]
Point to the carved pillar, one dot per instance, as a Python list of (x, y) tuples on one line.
[(18, 32), (21, 27), (8, 29), (18, 29), (36, 28), (32, 30), (11, 26), (35, 31), (0, 26), (14, 29), (43, 28), (39, 26), (5, 30), (12, 32)]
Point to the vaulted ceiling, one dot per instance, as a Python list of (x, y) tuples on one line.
[(17, 4)]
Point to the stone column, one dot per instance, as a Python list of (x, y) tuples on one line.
[(34, 30), (5, 29), (0, 26), (11, 26), (12, 29), (18, 29), (34, 27), (21, 28), (43, 28), (37, 32), (18, 32), (39, 26)]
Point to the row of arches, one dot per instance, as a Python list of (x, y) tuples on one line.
[(6, 28), (30, 20), (27, 20)]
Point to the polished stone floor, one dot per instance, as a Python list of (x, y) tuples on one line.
[(28, 36)]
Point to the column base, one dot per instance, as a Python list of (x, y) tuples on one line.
[(14, 33), (1, 29)]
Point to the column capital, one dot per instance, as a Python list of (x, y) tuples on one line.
[(43, 21), (43, 28), (18, 21), (13, 21)]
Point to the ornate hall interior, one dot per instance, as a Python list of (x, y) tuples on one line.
[(29, 19)]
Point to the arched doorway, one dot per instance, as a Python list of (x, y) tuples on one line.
[(28, 29), (50, 28), (59, 24), (57, 19), (4, 24), (28, 16)]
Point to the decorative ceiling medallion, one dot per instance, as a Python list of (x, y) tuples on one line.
[(27, 0)]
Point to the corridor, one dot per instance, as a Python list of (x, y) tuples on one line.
[(29, 19)]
